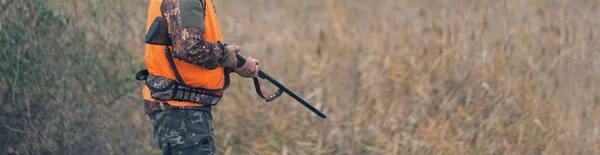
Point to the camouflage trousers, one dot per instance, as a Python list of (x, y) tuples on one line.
[(184, 131)]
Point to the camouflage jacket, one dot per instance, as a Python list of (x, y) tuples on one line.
[(186, 29)]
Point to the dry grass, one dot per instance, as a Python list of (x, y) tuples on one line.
[(418, 77), (400, 77)]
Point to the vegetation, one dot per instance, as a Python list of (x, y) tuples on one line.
[(394, 77), (62, 85)]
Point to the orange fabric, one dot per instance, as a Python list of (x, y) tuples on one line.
[(193, 75)]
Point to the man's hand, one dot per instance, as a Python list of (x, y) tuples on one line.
[(232, 60), (249, 69)]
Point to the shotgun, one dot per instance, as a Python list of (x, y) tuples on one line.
[(262, 74)]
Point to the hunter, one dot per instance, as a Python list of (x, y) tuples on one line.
[(185, 80)]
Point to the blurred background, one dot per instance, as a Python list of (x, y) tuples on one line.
[(394, 77)]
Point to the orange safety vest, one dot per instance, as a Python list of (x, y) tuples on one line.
[(193, 75)]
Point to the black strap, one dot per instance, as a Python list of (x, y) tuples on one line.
[(142, 75), (173, 66), (227, 71), (166, 149), (178, 76), (180, 79), (259, 91)]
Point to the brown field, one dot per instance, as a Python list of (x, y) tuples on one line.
[(393, 76)]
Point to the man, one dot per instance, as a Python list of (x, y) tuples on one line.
[(189, 79)]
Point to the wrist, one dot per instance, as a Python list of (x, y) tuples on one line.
[(230, 59)]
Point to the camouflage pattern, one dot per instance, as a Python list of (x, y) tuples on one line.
[(163, 89), (185, 132), (188, 41), (151, 107), (187, 129), (160, 87)]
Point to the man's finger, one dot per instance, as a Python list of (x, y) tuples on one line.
[(248, 67), (254, 62), (255, 71), (249, 64), (235, 48)]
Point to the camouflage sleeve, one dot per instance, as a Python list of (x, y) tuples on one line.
[(185, 19)]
